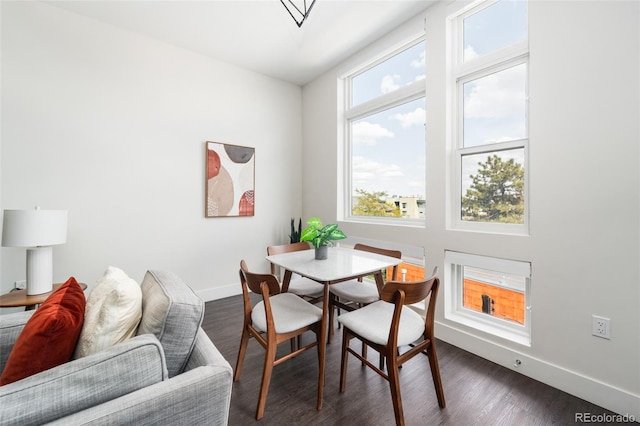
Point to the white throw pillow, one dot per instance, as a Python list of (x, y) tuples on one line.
[(112, 314)]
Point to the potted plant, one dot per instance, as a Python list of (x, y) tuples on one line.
[(294, 237), (320, 236)]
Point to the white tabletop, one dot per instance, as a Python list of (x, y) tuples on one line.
[(341, 263)]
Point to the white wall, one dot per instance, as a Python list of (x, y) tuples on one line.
[(112, 126), (584, 185)]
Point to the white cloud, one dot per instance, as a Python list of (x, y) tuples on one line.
[(497, 95), (418, 63), (368, 168), (366, 133), (389, 83), (413, 118), (372, 175), (469, 53)]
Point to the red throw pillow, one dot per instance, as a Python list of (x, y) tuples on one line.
[(49, 337)]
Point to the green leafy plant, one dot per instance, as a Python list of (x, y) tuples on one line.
[(294, 237), (319, 235)]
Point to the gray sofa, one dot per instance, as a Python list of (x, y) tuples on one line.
[(170, 373)]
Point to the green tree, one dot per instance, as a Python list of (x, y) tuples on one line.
[(496, 193), (373, 204)]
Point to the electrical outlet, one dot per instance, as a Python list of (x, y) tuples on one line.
[(20, 285), (601, 327)]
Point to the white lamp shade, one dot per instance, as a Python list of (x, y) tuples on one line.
[(34, 228)]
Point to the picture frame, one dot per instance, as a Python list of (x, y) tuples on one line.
[(230, 180)]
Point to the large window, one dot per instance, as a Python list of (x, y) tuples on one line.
[(384, 123), (489, 123)]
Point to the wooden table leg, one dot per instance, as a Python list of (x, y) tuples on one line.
[(379, 281), (286, 280), (323, 344)]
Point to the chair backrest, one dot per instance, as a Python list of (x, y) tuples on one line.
[(286, 248), (384, 252), (254, 281), (414, 292)]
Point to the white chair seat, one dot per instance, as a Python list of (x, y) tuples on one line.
[(356, 291), (373, 322), (290, 313), (305, 287)]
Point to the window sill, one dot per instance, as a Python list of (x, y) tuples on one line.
[(489, 327), (386, 221)]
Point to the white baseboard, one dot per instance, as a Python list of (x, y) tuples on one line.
[(219, 292), (602, 394)]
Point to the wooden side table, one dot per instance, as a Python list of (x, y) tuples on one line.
[(18, 298)]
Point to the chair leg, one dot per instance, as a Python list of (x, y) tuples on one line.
[(394, 384), (382, 360), (346, 336), (244, 342), (321, 363), (331, 316), (364, 352), (269, 359), (435, 373)]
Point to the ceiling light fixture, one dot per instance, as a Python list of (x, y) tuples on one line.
[(298, 14)]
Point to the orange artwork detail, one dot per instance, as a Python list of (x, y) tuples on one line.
[(213, 164), (246, 204)]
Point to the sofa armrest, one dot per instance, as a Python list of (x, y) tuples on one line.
[(206, 353), (201, 395), (11, 326), (77, 385)]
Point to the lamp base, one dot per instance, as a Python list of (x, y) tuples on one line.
[(39, 270)]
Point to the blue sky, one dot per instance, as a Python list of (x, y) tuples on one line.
[(389, 147), (494, 105)]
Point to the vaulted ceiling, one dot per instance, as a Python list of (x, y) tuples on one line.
[(258, 35)]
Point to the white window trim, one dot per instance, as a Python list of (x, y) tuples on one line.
[(460, 72), (454, 311), (489, 227), (408, 93)]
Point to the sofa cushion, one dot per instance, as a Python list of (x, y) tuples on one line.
[(173, 312), (83, 383), (113, 312), (49, 337), (10, 328)]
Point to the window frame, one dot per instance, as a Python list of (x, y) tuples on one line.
[(455, 311), (350, 113), (461, 72)]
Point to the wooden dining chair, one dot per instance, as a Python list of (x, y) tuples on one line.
[(354, 294), (277, 318), (389, 325), (306, 288)]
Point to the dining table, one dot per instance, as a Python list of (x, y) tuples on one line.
[(341, 264)]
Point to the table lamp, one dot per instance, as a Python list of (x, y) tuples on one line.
[(38, 230)]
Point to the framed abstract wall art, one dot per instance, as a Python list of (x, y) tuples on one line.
[(230, 180)]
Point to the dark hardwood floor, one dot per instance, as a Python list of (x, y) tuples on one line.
[(477, 391)]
